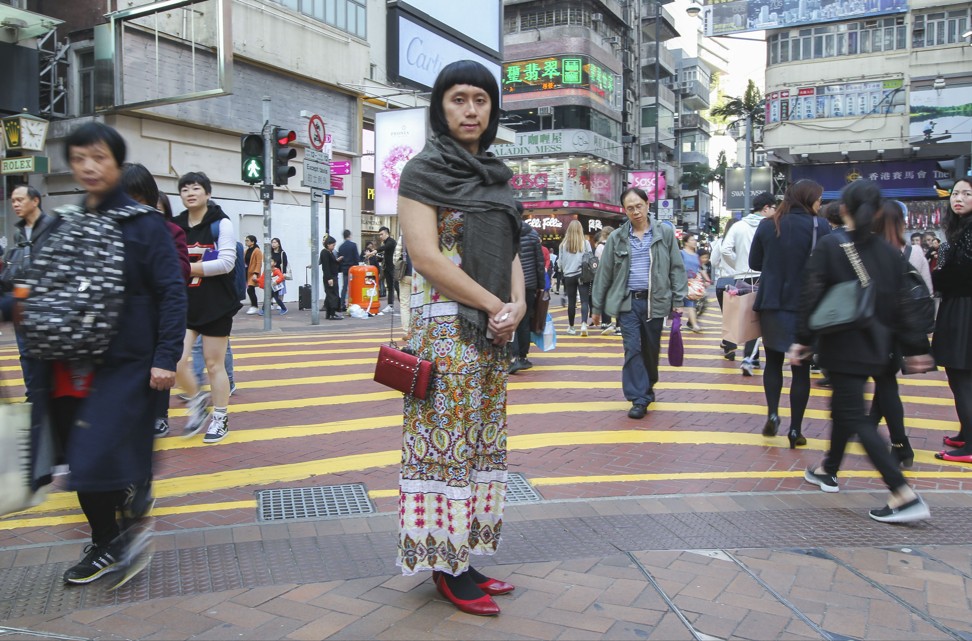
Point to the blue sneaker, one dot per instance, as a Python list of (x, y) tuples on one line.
[(283, 312), (261, 312)]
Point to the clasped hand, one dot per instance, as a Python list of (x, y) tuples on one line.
[(503, 323)]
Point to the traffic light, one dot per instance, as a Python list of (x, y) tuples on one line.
[(282, 155), (251, 151), (957, 169)]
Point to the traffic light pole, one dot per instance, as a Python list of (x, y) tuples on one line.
[(266, 194)]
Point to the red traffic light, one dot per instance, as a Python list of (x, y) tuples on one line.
[(285, 137)]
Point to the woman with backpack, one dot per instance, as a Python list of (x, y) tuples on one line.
[(573, 250), (213, 302), (854, 352)]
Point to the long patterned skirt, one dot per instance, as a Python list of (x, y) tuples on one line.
[(453, 478)]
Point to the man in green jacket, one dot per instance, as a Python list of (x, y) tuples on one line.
[(640, 280)]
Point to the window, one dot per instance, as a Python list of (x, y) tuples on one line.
[(846, 39), (939, 28), (85, 82), (346, 15)]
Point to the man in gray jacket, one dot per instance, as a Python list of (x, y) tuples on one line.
[(640, 280)]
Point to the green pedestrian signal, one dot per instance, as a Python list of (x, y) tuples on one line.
[(252, 150)]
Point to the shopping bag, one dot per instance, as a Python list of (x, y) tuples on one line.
[(676, 350), (15, 473), (740, 322), (547, 340)]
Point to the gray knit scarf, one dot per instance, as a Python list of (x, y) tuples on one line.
[(444, 174)]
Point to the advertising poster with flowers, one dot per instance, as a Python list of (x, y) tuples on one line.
[(399, 135)]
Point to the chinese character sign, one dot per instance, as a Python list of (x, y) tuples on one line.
[(559, 72)]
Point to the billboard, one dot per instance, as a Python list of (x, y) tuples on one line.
[(941, 114), (482, 26), (569, 71), (416, 53), (914, 178), (838, 100), (761, 180), (399, 135), (653, 185), (735, 16)]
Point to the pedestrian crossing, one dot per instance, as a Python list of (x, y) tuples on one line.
[(308, 413)]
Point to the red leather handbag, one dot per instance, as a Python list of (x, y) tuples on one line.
[(404, 372)]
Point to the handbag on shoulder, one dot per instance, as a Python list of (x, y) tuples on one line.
[(848, 305)]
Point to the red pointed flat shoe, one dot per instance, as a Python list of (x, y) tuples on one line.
[(952, 442), (484, 606), (494, 587), (960, 458)]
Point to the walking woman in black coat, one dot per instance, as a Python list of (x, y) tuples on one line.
[(780, 249), (953, 327), (851, 356)]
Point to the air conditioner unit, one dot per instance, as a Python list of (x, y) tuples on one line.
[(597, 17), (629, 106), (629, 59), (615, 40), (629, 94), (544, 111)]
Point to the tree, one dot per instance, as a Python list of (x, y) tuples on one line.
[(700, 176), (736, 110)]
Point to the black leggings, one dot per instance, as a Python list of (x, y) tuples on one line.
[(773, 387), (100, 508), (887, 403), (575, 287), (960, 382), (251, 292)]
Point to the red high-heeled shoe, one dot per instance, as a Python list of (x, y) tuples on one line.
[(492, 587), (953, 442), (484, 606)]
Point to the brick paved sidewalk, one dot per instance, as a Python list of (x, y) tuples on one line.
[(796, 565)]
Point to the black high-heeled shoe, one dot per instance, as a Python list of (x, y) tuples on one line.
[(795, 438), (904, 454), (772, 426)]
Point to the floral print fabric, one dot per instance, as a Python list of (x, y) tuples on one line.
[(453, 476)]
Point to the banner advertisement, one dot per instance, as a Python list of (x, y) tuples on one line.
[(399, 135), (761, 180), (562, 141), (654, 186), (735, 16), (569, 179), (902, 179), (851, 99)]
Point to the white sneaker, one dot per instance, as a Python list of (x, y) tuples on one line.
[(218, 427), (583, 329), (198, 411), (571, 330), (388, 309), (252, 310), (609, 328), (747, 367)]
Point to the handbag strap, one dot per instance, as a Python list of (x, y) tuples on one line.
[(855, 261), (813, 243)]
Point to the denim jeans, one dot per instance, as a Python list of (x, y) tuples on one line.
[(199, 363), (345, 273), (642, 343)]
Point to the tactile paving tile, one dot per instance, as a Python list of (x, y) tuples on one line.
[(324, 501)]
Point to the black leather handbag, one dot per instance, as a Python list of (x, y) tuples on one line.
[(848, 305)]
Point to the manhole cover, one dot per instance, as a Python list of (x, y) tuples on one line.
[(518, 490), (313, 502)]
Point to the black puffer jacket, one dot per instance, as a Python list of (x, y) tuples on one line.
[(531, 258), (866, 352)]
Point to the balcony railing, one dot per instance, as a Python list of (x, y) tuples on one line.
[(667, 59), (650, 88), (694, 121)]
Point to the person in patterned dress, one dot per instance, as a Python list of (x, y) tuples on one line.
[(467, 297)]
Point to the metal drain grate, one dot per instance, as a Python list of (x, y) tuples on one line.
[(519, 490), (313, 502)]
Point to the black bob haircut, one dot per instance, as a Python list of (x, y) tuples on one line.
[(640, 193), (91, 133), (137, 181), (465, 72), (196, 178)]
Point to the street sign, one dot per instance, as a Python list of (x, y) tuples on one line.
[(317, 171), (666, 209), (337, 182), (25, 165), (316, 133), (340, 167), (317, 196)]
